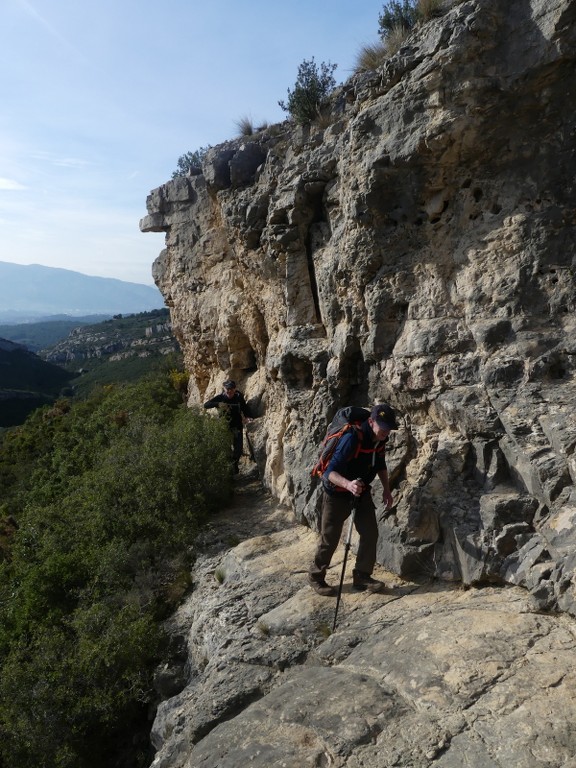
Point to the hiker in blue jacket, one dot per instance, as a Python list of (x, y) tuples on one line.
[(236, 409), (357, 460)]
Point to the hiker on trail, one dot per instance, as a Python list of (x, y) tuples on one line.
[(236, 410), (358, 457)]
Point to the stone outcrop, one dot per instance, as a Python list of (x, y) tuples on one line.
[(140, 335), (425, 675), (418, 250)]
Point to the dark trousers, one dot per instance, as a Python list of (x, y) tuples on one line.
[(237, 444), (335, 511)]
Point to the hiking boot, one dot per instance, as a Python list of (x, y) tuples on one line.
[(363, 582), (322, 588)]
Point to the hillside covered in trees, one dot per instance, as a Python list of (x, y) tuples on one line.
[(100, 504)]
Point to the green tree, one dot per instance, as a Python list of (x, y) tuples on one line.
[(395, 15), (189, 161), (398, 18), (311, 90)]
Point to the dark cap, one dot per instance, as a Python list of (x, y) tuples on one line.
[(384, 416), (229, 384)]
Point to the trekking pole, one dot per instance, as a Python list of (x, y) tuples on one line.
[(346, 550)]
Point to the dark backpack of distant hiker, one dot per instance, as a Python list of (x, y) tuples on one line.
[(345, 419)]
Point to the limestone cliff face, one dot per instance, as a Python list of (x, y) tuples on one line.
[(418, 250)]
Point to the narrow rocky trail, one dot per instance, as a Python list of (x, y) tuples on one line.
[(424, 675)]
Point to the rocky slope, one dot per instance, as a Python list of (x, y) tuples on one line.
[(419, 250), (139, 335), (424, 675)]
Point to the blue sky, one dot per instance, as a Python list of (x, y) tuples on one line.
[(100, 99)]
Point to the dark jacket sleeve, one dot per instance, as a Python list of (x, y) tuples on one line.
[(214, 402), (380, 461)]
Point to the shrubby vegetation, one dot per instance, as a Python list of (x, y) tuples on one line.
[(397, 14), (398, 17), (190, 161), (102, 371), (313, 86), (246, 127), (370, 56), (406, 14), (100, 504)]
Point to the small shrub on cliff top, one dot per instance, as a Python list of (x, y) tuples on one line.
[(405, 15), (189, 161), (371, 56), (395, 39), (311, 90), (427, 9), (246, 126), (397, 14)]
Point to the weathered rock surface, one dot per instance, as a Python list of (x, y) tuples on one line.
[(424, 675), (419, 250)]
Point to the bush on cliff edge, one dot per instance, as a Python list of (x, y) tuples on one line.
[(313, 86)]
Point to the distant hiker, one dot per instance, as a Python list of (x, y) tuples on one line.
[(235, 410), (359, 455)]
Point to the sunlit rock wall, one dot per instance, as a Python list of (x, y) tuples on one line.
[(419, 250)]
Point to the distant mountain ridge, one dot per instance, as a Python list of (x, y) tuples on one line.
[(31, 291), (44, 333)]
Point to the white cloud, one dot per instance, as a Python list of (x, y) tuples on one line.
[(10, 184), (62, 161)]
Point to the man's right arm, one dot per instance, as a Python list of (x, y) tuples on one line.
[(355, 487), (214, 402)]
